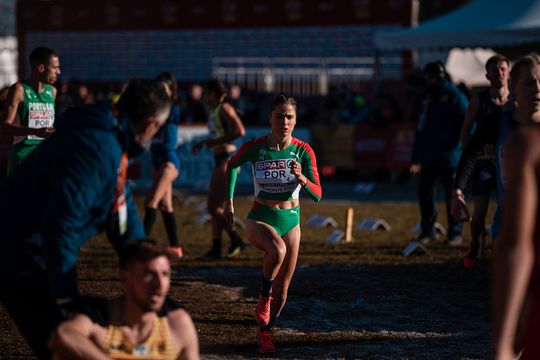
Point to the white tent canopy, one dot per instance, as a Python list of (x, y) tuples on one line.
[(468, 66), (481, 23)]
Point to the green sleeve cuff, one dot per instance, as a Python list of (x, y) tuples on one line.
[(232, 175)]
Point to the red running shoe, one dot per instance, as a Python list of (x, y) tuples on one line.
[(266, 345), (262, 310), (469, 261), (175, 251)]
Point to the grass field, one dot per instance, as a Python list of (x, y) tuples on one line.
[(360, 300)]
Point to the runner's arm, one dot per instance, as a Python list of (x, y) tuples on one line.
[(472, 110), (485, 134), (72, 339), (312, 183), (515, 253), (228, 114), (15, 96), (241, 157), (184, 333)]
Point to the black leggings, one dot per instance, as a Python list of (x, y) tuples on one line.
[(221, 157)]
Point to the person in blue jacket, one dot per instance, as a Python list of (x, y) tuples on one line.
[(165, 167), (70, 188), (437, 149)]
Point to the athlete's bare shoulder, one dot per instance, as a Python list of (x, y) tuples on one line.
[(15, 97), (178, 316), (17, 86), (528, 134), (226, 107), (16, 90), (184, 333), (525, 142), (227, 111)]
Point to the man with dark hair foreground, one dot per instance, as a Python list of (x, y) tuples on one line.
[(139, 325)]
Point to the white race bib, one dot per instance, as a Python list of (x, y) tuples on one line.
[(274, 171), (40, 115)]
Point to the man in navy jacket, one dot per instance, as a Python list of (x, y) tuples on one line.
[(68, 190), (437, 148)]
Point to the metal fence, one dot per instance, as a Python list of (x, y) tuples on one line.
[(304, 75)]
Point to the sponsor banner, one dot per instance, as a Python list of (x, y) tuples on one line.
[(196, 170)]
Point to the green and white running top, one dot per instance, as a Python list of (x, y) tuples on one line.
[(37, 111), (272, 176)]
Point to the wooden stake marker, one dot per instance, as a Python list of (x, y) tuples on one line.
[(349, 224)]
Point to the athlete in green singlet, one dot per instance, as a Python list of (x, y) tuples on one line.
[(31, 102), (282, 166)]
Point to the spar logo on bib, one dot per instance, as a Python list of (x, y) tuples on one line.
[(276, 171)]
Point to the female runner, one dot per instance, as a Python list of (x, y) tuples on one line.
[(224, 126), (165, 166), (282, 166)]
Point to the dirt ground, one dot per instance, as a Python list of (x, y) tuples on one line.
[(360, 300)]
